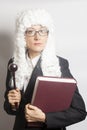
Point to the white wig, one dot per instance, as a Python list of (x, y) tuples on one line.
[(49, 61)]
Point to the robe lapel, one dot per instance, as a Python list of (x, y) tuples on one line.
[(29, 91)]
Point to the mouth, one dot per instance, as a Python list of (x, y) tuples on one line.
[(37, 44)]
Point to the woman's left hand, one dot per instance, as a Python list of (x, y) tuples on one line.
[(34, 114)]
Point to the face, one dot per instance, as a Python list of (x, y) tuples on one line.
[(36, 39)]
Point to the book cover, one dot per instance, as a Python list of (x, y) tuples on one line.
[(53, 94)]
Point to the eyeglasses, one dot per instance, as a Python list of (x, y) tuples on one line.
[(32, 32)]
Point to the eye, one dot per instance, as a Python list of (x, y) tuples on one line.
[(43, 31), (30, 31)]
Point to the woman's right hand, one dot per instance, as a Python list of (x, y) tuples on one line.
[(14, 97)]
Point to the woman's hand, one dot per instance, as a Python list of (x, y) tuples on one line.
[(14, 97), (34, 114)]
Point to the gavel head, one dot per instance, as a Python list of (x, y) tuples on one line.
[(12, 67)]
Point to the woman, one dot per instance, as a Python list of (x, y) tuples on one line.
[(35, 56)]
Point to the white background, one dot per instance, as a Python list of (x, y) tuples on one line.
[(70, 18)]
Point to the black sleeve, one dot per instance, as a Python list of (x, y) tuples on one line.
[(75, 113)]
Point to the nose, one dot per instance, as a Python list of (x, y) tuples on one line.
[(36, 36)]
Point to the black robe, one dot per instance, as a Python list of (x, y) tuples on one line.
[(55, 120)]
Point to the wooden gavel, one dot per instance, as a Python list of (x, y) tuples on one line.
[(13, 68)]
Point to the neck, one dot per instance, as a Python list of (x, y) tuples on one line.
[(33, 55)]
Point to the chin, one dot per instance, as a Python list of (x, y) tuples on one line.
[(39, 49)]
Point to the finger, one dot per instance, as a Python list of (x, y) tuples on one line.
[(27, 106), (12, 94), (29, 120), (17, 90), (14, 97), (12, 91), (27, 117), (12, 102), (26, 109), (31, 107)]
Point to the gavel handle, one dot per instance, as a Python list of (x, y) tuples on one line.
[(16, 104), (14, 80)]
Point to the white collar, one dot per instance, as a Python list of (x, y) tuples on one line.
[(33, 61)]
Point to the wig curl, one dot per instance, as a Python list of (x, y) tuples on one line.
[(49, 61)]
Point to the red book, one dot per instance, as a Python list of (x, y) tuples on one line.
[(53, 94)]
